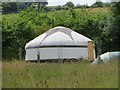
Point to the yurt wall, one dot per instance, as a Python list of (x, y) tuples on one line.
[(57, 52)]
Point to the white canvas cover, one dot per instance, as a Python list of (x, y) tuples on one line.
[(58, 36)]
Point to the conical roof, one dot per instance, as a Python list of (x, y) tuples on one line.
[(58, 36)]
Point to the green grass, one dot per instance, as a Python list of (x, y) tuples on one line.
[(95, 10), (59, 75)]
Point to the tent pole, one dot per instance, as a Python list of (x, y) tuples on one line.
[(38, 56)]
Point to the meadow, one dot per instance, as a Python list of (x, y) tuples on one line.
[(82, 74), (30, 23)]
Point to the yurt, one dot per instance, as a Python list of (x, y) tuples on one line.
[(60, 43)]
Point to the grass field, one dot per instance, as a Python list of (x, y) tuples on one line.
[(96, 10), (59, 75)]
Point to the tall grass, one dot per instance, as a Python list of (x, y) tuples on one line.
[(18, 74)]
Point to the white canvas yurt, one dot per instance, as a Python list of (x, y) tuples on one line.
[(60, 43)]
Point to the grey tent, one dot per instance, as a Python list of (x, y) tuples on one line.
[(107, 57)]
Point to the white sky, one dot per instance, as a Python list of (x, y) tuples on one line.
[(62, 2)]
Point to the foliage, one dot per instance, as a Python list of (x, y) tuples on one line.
[(20, 28), (70, 4), (106, 4), (9, 7), (15, 33), (17, 74), (114, 31), (111, 29), (13, 7), (24, 5), (82, 6), (97, 4), (41, 5)]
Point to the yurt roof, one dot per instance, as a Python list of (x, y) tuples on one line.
[(58, 36)]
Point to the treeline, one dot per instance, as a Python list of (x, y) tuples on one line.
[(15, 7), (18, 29)]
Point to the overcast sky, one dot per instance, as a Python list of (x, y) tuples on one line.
[(62, 2)]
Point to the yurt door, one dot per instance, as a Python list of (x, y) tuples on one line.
[(59, 53), (38, 55), (90, 51)]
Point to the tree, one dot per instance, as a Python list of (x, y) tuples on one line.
[(58, 7), (114, 31), (78, 6), (107, 4), (98, 3), (41, 5), (9, 7), (70, 4)]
